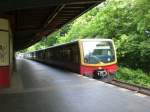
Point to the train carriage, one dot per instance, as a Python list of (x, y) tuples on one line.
[(91, 57)]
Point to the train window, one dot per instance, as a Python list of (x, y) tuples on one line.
[(56, 54), (46, 54), (75, 54), (36, 57), (67, 53), (96, 52), (51, 54)]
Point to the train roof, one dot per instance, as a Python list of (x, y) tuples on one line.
[(78, 40)]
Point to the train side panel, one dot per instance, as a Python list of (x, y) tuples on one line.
[(66, 56)]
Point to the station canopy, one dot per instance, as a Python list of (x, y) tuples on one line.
[(32, 19)]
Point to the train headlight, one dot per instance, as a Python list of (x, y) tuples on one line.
[(99, 67)]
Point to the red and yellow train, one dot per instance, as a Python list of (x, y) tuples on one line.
[(90, 57)]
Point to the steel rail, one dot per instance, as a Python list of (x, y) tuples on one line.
[(138, 89)]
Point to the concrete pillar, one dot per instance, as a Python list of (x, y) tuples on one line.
[(6, 53)]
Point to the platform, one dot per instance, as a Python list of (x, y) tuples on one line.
[(41, 88)]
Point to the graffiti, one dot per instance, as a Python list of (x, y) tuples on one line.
[(3, 52)]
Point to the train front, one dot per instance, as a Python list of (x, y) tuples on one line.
[(98, 58)]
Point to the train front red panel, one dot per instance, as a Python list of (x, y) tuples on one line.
[(90, 69)]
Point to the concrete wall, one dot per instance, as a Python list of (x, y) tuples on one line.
[(6, 53)]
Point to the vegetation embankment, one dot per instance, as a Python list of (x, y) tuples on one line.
[(124, 21), (136, 77)]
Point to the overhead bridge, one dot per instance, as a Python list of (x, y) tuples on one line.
[(30, 20)]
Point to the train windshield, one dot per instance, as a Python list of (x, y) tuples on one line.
[(98, 52)]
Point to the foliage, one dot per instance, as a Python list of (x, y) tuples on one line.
[(136, 77)]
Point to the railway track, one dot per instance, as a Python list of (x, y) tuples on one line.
[(132, 87)]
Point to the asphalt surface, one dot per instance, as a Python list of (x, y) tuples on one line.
[(41, 88)]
